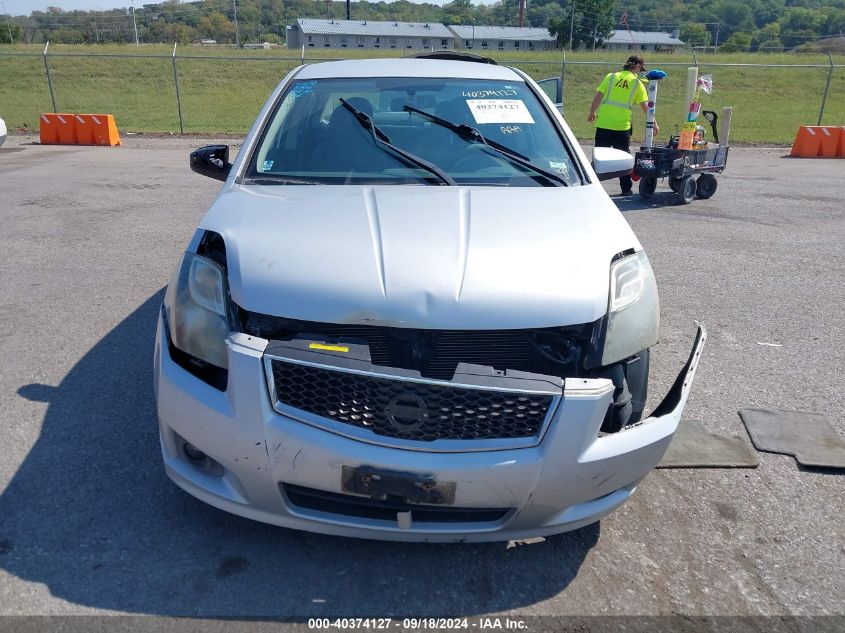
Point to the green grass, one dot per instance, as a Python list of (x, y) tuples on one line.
[(222, 89)]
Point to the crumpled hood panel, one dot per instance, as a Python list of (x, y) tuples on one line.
[(421, 256)]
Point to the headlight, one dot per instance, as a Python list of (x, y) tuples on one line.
[(633, 309), (198, 310), (626, 282)]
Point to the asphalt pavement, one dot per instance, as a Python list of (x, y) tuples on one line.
[(90, 524)]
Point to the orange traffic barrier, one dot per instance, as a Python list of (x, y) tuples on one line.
[(818, 141), (57, 129), (49, 133), (79, 129), (840, 146), (84, 132), (828, 141), (806, 143), (97, 129)]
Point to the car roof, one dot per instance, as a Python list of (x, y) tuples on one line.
[(438, 68)]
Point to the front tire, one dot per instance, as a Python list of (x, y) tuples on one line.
[(675, 183), (647, 187), (686, 190), (706, 186)]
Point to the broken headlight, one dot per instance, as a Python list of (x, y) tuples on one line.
[(197, 309), (633, 313)]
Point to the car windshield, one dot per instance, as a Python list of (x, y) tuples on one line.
[(411, 131)]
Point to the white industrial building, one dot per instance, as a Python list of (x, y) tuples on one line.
[(369, 34), (502, 38), (624, 40)]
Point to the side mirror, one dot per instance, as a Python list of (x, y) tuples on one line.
[(211, 161), (611, 163)]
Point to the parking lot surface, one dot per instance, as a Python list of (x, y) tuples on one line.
[(89, 523)]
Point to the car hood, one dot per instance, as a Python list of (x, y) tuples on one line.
[(421, 256)]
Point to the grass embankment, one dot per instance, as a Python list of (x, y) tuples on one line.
[(222, 89)]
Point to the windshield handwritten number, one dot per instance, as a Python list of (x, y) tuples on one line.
[(489, 93), (511, 129)]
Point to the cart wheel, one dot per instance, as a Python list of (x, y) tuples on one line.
[(686, 189), (675, 183), (647, 187), (706, 186)]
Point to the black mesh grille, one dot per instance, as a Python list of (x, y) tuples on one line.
[(409, 410), (350, 505), (436, 353)]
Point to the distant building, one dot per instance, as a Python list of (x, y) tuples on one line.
[(502, 38), (369, 34), (643, 41)]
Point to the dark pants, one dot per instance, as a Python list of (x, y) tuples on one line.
[(616, 139)]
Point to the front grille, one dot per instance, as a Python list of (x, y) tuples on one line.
[(409, 410), (352, 506)]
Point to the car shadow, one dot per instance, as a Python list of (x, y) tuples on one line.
[(91, 515), (660, 199)]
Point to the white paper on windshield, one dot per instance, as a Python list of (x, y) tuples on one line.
[(499, 111)]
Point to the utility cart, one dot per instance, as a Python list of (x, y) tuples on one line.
[(690, 171)]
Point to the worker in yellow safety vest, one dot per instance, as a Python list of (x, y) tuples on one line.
[(611, 109)]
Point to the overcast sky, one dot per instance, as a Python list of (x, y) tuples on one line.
[(24, 7)]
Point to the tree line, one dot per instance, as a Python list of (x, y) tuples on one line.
[(730, 25)]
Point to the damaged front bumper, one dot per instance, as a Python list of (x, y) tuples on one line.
[(271, 467)]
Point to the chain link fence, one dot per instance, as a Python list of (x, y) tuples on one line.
[(218, 94)]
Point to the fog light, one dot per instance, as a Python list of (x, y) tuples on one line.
[(194, 454), (199, 460)]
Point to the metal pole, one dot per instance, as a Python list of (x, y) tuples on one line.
[(563, 78), (135, 24), (178, 99), (49, 81), (237, 30), (826, 88), (694, 58), (718, 26), (572, 25)]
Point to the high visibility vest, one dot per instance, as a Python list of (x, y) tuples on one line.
[(611, 84), (613, 97)]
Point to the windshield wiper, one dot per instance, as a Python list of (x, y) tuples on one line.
[(274, 179), (472, 134), (383, 140)]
